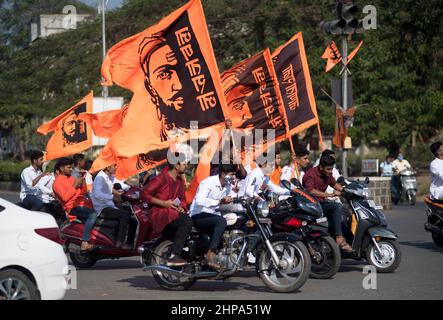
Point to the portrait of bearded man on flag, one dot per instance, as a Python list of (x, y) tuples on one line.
[(73, 129), (159, 64)]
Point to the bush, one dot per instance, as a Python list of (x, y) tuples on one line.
[(11, 171)]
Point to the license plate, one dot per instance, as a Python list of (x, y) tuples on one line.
[(320, 220)]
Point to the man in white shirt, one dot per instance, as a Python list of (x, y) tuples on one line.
[(398, 165), (436, 169), (29, 193), (103, 197), (300, 162), (205, 209)]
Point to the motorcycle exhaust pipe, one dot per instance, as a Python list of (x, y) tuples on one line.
[(166, 269)]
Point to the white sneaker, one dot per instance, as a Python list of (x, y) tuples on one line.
[(251, 258)]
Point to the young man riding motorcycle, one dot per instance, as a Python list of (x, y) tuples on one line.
[(205, 209), (165, 194), (316, 182)]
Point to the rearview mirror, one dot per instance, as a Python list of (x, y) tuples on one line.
[(286, 184), (295, 182), (341, 180), (367, 180)]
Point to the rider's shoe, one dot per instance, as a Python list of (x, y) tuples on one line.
[(176, 261)]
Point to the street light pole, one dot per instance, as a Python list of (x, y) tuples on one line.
[(344, 80), (103, 11)]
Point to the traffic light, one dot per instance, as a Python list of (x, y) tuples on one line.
[(346, 23)]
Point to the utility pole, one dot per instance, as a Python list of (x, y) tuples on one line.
[(344, 79), (102, 9), (346, 24)]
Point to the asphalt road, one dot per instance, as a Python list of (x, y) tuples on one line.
[(420, 275)]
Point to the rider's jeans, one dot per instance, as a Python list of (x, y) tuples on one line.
[(33, 203), (213, 224), (180, 228), (90, 215), (333, 211)]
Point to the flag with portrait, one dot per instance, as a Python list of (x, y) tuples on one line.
[(71, 134), (171, 70), (253, 100)]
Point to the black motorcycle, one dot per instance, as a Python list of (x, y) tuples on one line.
[(282, 261), (302, 215), (367, 229), (434, 225)]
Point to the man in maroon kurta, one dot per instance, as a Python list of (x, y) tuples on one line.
[(166, 196)]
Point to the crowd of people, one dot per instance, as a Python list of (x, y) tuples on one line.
[(87, 198)]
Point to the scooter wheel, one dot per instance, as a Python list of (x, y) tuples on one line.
[(391, 256), (82, 261)]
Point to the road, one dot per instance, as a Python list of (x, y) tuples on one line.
[(420, 275)]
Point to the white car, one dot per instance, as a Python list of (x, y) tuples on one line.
[(33, 264)]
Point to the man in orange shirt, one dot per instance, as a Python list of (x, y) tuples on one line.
[(276, 173), (71, 193)]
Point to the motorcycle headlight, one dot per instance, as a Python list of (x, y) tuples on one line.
[(263, 209), (367, 193)]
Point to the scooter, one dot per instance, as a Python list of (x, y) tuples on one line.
[(367, 229), (408, 186), (434, 225), (302, 214), (282, 263), (104, 233)]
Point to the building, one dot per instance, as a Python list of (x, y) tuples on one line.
[(48, 24)]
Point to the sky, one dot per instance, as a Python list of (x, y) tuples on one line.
[(111, 3)]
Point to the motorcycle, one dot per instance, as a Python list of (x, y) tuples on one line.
[(434, 212), (302, 214), (282, 261), (367, 229), (104, 233)]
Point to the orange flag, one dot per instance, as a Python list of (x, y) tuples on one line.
[(291, 67), (171, 69), (253, 96), (71, 135), (333, 56), (105, 124), (354, 52)]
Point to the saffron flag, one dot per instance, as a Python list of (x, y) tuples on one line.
[(354, 52), (71, 134), (291, 67), (105, 124), (171, 69), (333, 56), (253, 99)]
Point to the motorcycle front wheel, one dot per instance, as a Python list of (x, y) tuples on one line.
[(294, 268), (167, 281), (330, 258)]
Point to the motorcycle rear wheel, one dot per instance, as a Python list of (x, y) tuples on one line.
[(167, 281), (291, 278), (330, 258)]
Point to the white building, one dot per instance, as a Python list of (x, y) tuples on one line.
[(48, 24)]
